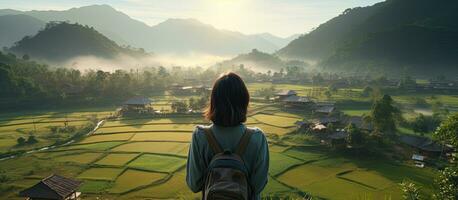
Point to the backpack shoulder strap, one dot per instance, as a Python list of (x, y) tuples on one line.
[(244, 141), (212, 141)]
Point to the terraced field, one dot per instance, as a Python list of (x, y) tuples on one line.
[(145, 158), (40, 125)]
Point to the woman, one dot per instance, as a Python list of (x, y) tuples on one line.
[(227, 111)]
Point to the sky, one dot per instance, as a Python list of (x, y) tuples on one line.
[(279, 17)]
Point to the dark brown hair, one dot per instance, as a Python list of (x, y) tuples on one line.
[(228, 101)]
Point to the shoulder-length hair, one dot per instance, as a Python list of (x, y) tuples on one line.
[(228, 101)]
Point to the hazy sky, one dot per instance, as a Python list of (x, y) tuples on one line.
[(280, 17)]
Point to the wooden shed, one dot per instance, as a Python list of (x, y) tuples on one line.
[(54, 187)]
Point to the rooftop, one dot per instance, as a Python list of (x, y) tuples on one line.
[(52, 187), (422, 143), (139, 100), (297, 99), (286, 93)]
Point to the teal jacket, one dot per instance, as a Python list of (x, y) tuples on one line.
[(256, 156)]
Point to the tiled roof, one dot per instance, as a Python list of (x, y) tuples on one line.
[(286, 93), (138, 101), (52, 187)]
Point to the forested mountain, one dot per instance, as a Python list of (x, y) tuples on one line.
[(419, 36), (14, 27), (62, 41), (261, 61), (171, 36)]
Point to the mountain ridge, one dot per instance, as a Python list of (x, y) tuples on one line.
[(127, 31)]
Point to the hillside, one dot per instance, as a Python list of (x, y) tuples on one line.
[(170, 36), (260, 61), (62, 41), (15, 27), (385, 37)]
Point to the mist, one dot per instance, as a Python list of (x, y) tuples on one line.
[(126, 62)]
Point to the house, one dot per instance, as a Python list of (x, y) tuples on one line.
[(443, 85), (285, 94), (297, 101), (419, 160), (324, 109), (53, 187), (337, 139), (422, 144), (138, 103), (327, 120), (360, 123), (319, 128), (302, 125)]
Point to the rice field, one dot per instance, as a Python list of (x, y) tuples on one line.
[(132, 179), (145, 158), (174, 148), (158, 163), (107, 174), (116, 159)]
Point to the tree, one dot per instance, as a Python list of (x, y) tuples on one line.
[(383, 114), (31, 140), (410, 190), (20, 141), (179, 107), (367, 91), (447, 132), (355, 136), (26, 57), (447, 182), (420, 124)]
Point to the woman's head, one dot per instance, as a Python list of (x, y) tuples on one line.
[(228, 101)]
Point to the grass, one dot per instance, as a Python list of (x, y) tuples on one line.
[(116, 159), (304, 155), (84, 158), (274, 130), (174, 148), (306, 174), (171, 189), (105, 138), (158, 163), (277, 148), (91, 186), (273, 186), (107, 174), (132, 179), (95, 146), (369, 178), (163, 136), (279, 163), (278, 121), (147, 128)]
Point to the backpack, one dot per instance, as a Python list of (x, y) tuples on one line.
[(227, 175)]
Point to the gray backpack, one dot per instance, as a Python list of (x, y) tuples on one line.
[(227, 175)]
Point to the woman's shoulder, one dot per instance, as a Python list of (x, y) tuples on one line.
[(258, 134)]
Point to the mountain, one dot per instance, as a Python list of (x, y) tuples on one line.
[(190, 35), (170, 36), (413, 36), (15, 27), (62, 41), (278, 41), (260, 61)]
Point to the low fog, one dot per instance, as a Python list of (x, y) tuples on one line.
[(128, 62)]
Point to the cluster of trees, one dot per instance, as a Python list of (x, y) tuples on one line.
[(30, 140), (194, 104), (446, 184)]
